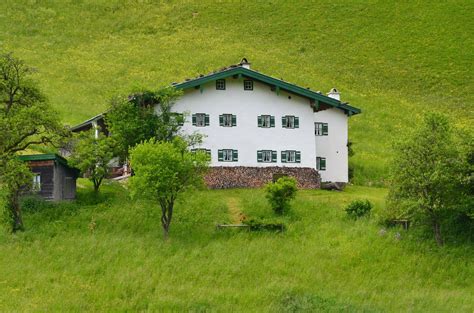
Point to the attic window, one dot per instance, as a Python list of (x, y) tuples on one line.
[(248, 84), (220, 84)]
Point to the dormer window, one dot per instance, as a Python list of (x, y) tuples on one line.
[(220, 84), (248, 84)]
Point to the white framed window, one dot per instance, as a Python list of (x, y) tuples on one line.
[(248, 84), (36, 182), (321, 164), (266, 121), (220, 84), (266, 156), (321, 129), (290, 121), (227, 155), (291, 156), (200, 119), (227, 120)]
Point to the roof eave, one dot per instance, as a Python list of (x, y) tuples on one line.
[(272, 81)]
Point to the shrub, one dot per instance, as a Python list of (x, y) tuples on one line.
[(257, 225), (33, 203), (359, 208), (280, 193)]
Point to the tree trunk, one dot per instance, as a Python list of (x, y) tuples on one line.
[(437, 233), (17, 224), (166, 216)]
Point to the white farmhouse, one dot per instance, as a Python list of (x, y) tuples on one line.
[(256, 126)]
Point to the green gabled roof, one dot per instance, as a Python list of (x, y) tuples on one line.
[(45, 157), (239, 70)]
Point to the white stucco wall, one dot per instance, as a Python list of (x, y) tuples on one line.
[(333, 146), (247, 137)]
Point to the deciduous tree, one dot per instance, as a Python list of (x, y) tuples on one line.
[(426, 174), (142, 116), (163, 170), (92, 156), (26, 119)]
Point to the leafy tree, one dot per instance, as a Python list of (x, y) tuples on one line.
[(15, 178), (92, 156), (426, 175), (280, 193), (143, 116), (26, 119), (163, 170)]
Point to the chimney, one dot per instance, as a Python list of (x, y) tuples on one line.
[(244, 63), (334, 93)]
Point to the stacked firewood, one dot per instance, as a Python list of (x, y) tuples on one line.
[(254, 177)]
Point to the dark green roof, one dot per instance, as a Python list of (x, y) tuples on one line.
[(278, 83), (45, 157)]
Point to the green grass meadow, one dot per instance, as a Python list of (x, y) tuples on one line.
[(394, 60), (108, 255)]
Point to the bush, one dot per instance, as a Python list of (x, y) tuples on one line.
[(257, 225), (280, 193), (359, 208), (33, 203)]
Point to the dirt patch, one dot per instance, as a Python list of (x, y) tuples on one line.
[(235, 212)]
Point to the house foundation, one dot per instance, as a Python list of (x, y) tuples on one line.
[(221, 177)]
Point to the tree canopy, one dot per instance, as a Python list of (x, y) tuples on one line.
[(428, 173), (92, 155), (142, 116), (26, 118), (163, 170)]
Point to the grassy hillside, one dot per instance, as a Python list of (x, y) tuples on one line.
[(110, 256), (393, 60)]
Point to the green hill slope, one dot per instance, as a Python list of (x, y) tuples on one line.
[(392, 60), (109, 256)]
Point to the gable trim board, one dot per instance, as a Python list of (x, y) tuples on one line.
[(279, 84)]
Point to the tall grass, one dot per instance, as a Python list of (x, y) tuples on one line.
[(107, 254), (394, 60)]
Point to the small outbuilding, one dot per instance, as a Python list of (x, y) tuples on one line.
[(53, 178)]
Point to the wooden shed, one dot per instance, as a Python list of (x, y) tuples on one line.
[(53, 178)]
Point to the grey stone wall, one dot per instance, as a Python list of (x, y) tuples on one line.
[(254, 177)]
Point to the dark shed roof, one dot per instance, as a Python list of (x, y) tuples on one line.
[(47, 157)]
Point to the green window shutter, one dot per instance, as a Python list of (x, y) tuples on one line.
[(297, 122), (259, 156), (325, 129), (272, 121), (283, 121), (208, 151), (274, 156), (221, 120), (259, 121), (206, 120), (234, 120), (194, 119), (220, 155), (283, 157), (322, 164), (235, 155), (298, 157)]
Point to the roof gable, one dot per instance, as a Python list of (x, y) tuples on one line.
[(278, 83)]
